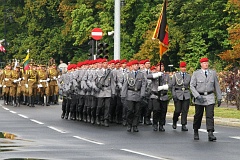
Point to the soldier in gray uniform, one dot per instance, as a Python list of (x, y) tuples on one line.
[(181, 96), (159, 97), (104, 83), (133, 91), (204, 84)]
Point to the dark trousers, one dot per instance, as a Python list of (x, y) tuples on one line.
[(159, 111), (93, 106), (73, 105), (199, 109), (133, 113), (64, 104), (181, 107), (87, 105), (80, 104), (103, 106)]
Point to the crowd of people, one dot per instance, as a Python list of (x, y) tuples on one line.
[(117, 91)]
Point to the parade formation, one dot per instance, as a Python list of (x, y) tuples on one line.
[(117, 91)]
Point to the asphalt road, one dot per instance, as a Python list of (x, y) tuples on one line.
[(42, 134)]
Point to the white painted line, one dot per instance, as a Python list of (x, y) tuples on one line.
[(236, 137), (143, 154), (58, 130), (204, 130), (13, 112), (91, 141), (5, 108), (33, 120), (22, 116)]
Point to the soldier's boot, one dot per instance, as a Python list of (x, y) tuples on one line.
[(147, 121), (28, 101), (33, 101), (161, 128), (38, 102), (196, 135), (174, 125), (211, 137), (88, 115), (184, 127), (14, 101), (77, 115), (155, 127), (5, 99), (66, 115), (56, 100), (18, 101), (106, 123), (47, 101), (24, 100), (80, 116), (10, 101), (63, 114), (92, 120), (98, 120), (84, 117)]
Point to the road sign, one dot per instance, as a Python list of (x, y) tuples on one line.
[(97, 33)]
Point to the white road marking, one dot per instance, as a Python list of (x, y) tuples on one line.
[(5, 108), (235, 137), (91, 141), (13, 112), (58, 130), (33, 120), (143, 154), (22, 116)]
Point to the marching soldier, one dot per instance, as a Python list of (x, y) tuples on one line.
[(32, 79), (7, 75), (159, 97), (204, 84), (15, 87), (133, 91), (24, 90), (43, 85), (181, 96), (53, 74)]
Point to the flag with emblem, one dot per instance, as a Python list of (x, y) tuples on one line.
[(161, 31), (26, 61), (2, 49)]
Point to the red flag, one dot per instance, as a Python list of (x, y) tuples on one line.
[(161, 31), (2, 49)]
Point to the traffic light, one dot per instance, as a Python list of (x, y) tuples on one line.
[(105, 48), (91, 50)]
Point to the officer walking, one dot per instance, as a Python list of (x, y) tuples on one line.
[(181, 96), (133, 91), (204, 84)]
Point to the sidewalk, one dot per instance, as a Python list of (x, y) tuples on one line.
[(217, 120)]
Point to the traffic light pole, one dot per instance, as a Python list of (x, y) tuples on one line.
[(117, 14)]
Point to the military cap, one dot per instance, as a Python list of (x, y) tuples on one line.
[(183, 64), (204, 59)]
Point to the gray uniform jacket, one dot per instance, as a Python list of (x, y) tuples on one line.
[(104, 83), (118, 81), (81, 73), (205, 86), (180, 86), (134, 87), (86, 82), (165, 79)]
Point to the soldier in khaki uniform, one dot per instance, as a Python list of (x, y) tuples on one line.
[(32, 79), (53, 74), (24, 90), (16, 78), (43, 86), (1, 73), (6, 77)]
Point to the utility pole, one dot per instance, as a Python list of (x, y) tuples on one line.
[(117, 15)]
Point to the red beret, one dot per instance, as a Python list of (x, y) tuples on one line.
[(123, 61), (153, 67), (112, 61), (147, 60), (74, 66), (104, 60), (134, 62), (79, 64), (142, 62), (117, 61), (204, 59), (182, 64), (129, 63), (69, 67)]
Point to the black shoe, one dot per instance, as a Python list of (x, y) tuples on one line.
[(106, 123), (84, 118), (66, 116), (211, 137), (98, 121), (63, 114), (155, 127), (174, 125), (102, 123), (135, 129), (148, 122), (196, 135), (92, 120), (124, 123), (129, 128), (161, 128), (88, 119), (184, 128)]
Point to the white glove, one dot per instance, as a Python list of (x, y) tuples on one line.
[(15, 81), (4, 86), (40, 85), (6, 79), (19, 79), (23, 78), (0, 85), (156, 75), (48, 79), (26, 85), (59, 76), (163, 87), (40, 80), (54, 77)]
